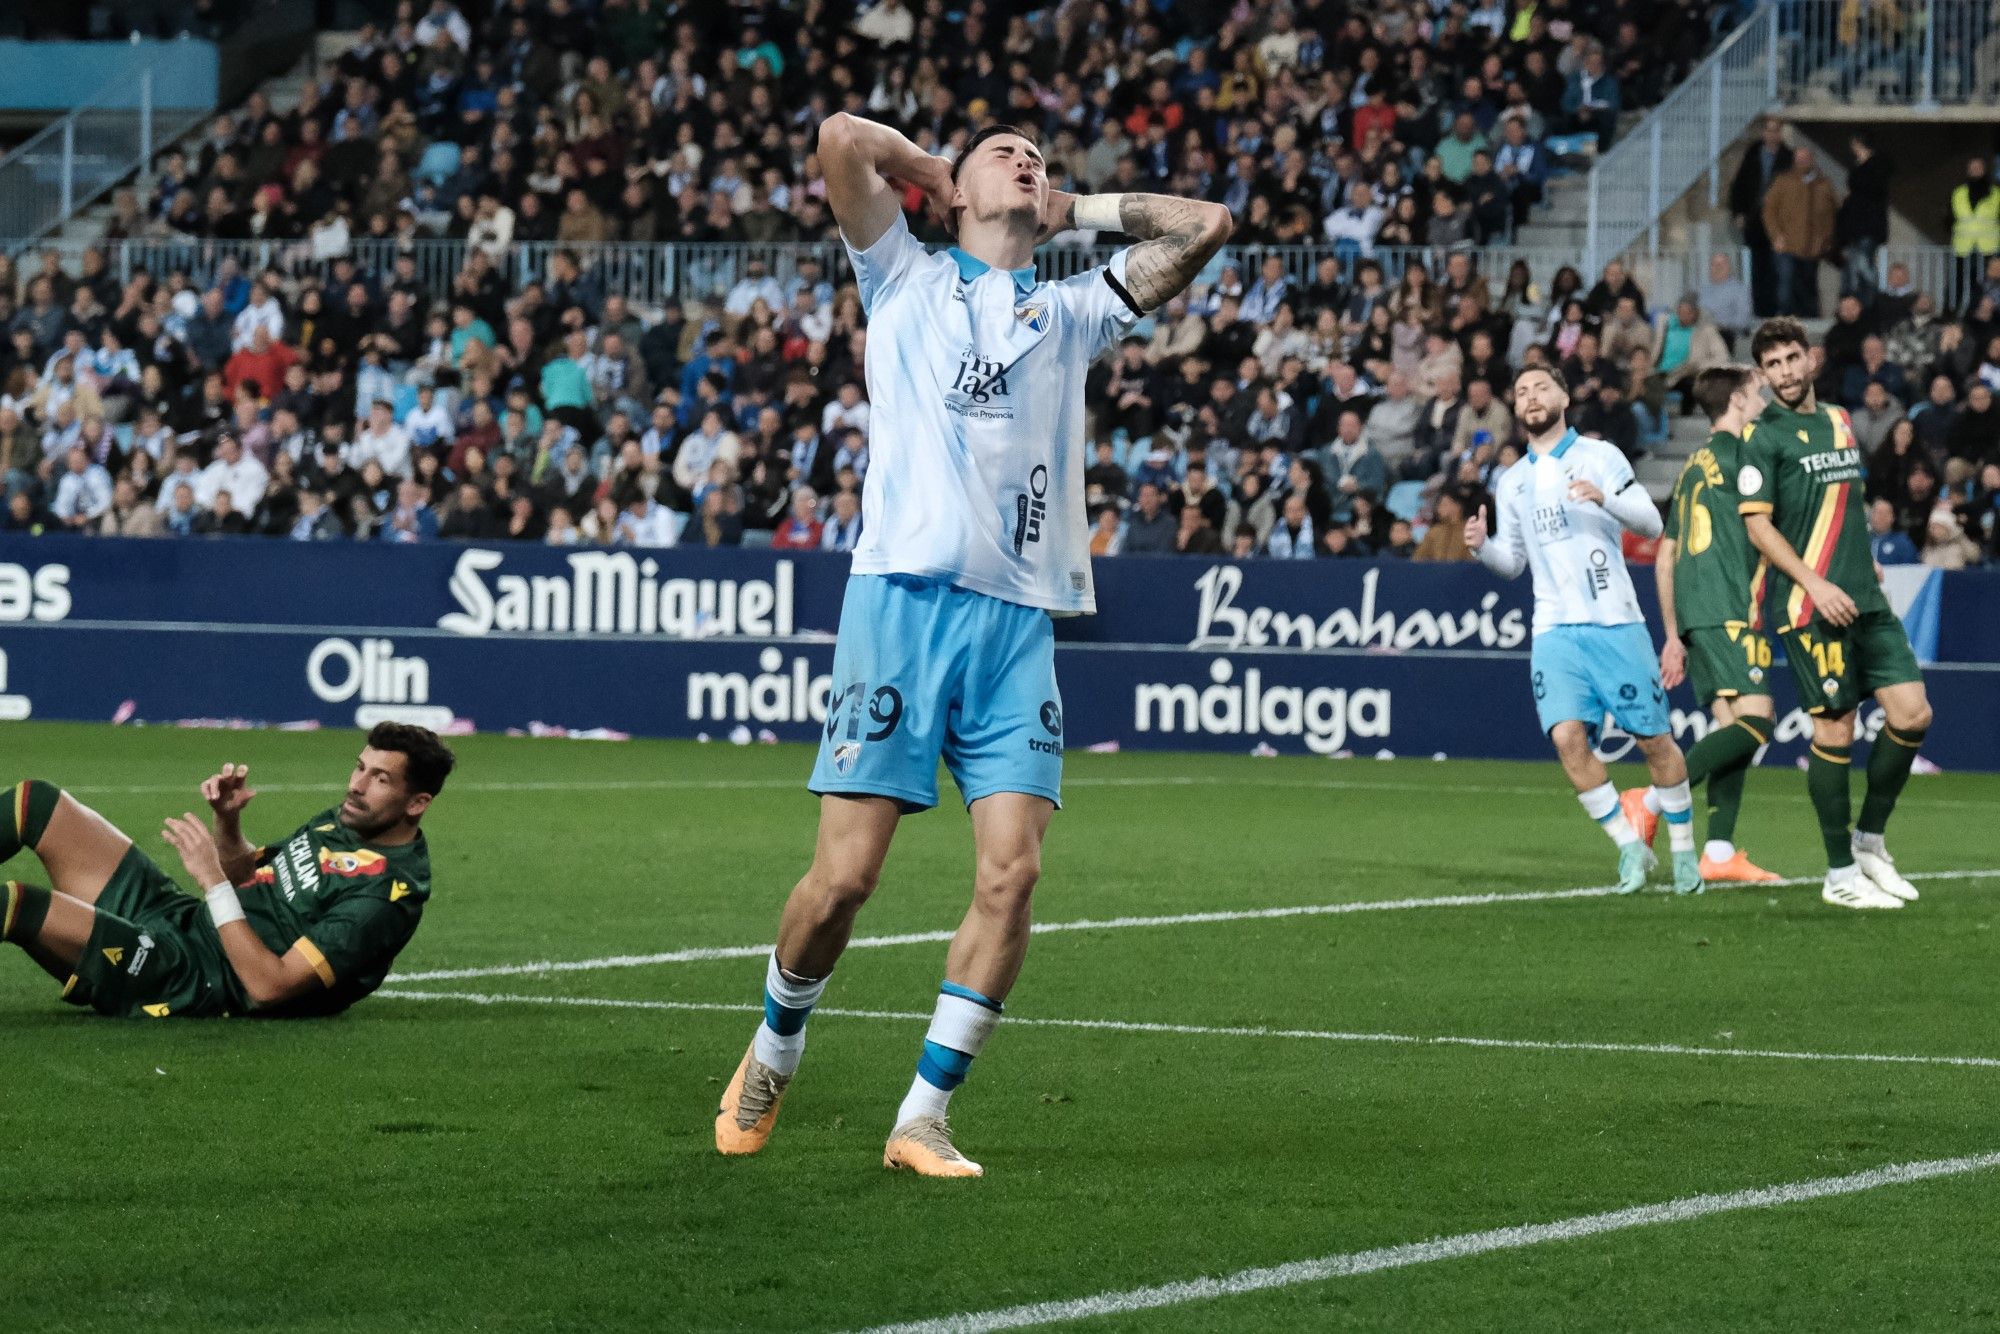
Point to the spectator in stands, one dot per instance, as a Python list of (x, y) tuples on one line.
[(1975, 226), (1292, 536), (1800, 210), (1444, 539), (1593, 99), (1685, 343), (1874, 417), (1946, 547), (83, 493), (1762, 165), (1890, 544), (1195, 536), (1862, 225), (843, 522), (801, 530), (1149, 529)]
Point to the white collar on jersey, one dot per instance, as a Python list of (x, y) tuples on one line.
[(970, 267)]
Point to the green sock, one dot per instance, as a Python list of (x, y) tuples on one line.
[(24, 815), (1889, 762), (1724, 757), (22, 914), (1826, 780)]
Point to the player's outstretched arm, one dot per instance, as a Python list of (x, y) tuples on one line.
[(1833, 603), (859, 159)]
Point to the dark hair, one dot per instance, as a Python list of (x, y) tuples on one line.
[(1714, 387), (1780, 331), (1552, 371), (427, 760), (991, 131)]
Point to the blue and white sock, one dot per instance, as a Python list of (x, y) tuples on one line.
[(788, 1002), (960, 1025), (1677, 806), (1601, 804)]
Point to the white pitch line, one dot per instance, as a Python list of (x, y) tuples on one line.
[(702, 954), (1223, 1031), (1442, 1248), (786, 784)]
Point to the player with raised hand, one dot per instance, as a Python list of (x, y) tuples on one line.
[(1800, 488), (1711, 584), (304, 927), (1559, 511), (973, 535)]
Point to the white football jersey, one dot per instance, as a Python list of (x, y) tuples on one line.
[(1575, 551), (975, 434)]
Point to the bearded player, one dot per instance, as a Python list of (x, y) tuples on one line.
[(973, 536), (304, 927), (1801, 496), (1560, 509), (1711, 585)]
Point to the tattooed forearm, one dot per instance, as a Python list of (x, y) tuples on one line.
[(1178, 237)]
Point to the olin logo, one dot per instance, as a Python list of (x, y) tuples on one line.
[(388, 688)]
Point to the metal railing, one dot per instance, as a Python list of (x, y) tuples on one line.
[(1666, 154), (1923, 54), (648, 276), (71, 162)]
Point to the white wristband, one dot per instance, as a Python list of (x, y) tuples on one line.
[(1099, 213), (223, 905)]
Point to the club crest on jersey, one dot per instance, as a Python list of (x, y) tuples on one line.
[(844, 756), (1035, 316)]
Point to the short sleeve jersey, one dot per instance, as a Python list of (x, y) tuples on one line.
[(1807, 472), (1718, 575), (1574, 551), (349, 907), (975, 434)]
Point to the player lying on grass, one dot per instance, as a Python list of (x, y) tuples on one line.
[(1559, 510), (1711, 584), (304, 927), (973, 533), (1800, 490)]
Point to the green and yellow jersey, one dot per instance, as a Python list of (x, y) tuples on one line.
[(1718, 575), (348, 906), (1807, 472)]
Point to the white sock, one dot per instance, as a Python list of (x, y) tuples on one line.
[(1869, 843), (1653, 800), (960, 1026), (1601, 805), (1718, 850), (923, 1099), (1677, 806), (781, 1051), (1839, 875)]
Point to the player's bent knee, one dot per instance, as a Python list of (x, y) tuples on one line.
[(843, 889), (1569, 738), (1009, 880)]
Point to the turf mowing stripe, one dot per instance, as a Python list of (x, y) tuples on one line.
[(1442, 1248), (701, 954), (1206, 1030)]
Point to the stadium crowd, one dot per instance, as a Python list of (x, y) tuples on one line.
[(1357, 411)]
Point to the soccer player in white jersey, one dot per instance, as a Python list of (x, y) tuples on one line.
[(1560, 508), (973, 535)]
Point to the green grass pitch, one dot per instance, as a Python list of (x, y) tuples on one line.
[(439, 1164)]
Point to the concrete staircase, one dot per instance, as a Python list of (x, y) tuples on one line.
[(283, 90)]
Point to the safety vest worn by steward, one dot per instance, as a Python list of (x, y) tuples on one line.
[(1975, 229)]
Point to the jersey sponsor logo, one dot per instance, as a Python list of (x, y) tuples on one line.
[(1749, 479), (1221, 623), (1031, 508), (40, 594), (615, 593), (979, 389), (777, 693), (1324, 716), (1551, 522), (1051, 714)]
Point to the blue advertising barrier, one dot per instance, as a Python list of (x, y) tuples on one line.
[(1309, 658)]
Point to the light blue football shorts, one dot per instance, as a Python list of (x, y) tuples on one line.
[(924, 671), (1583, 672)]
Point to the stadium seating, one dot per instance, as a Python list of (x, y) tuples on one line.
[(463, 189)]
